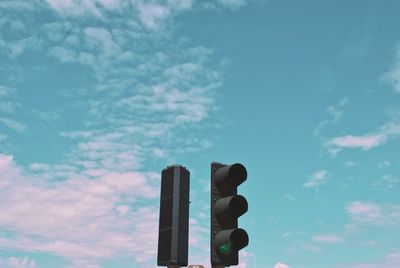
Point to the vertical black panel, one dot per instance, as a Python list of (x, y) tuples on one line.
[(166, 215), (183, 223), (174, 217), (167, 183), (164, 238)]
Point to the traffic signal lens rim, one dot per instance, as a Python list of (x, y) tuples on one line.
[(238, 172), (239, 205), (227, 178)]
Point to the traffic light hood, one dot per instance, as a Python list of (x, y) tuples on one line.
[(229, 177)]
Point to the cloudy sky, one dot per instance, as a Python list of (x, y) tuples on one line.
[(98, 96)]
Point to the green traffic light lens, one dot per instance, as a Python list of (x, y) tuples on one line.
[(226, 248)]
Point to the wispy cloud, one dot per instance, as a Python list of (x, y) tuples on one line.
[(13, 124), (17, 5), (336, 113), (79, 8), (390, 130), (364, 142), (281, 265), (46, 116), (372, 214), (392, 260), (387, 181), (393, 76), (234, 4), (291, 234), (385, 164), (151, 14), (350, 163), (318, 179), (4, 90), (81, 218), (328, 238), (15, 262), (288, 196), (312, 248), (7, 104)]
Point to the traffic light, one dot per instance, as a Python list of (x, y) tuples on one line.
[(226, 207)]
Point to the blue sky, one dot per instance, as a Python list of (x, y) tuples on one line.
[(98, 96)]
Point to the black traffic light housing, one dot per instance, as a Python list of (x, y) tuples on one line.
[(226, 207)]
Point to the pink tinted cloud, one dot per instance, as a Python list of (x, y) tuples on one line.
[(17, 262), (328, 238), (84, 219), (392, 260), (370, 213), (281, 265), (393, 76), (364, 142), (7, 170), (319, 178)]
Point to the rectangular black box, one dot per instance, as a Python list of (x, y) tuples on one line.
[(173, 234)]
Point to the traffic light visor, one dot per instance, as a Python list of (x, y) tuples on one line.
[(230, 208), (231, 240), (230, 177)]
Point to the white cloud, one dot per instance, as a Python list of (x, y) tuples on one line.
[(3, 137), (377, 137), (393, 76), (336, 113), (4, 90), (288, 196), (312, 248), (24, 42), (152, 14), (233, 4), (380, 136), (364, 142), (373, 214), (390, 180), (281, 265), (384, 164), (387, 181), (319, 178), (15, 262), (291, 234), (159, 152), (100, 37), (47, 116), (77, 8), (80, 218), (17, 4), (6, 104), (13, 124), (181, 4), (392, 260), (350, 163), (328, 238)]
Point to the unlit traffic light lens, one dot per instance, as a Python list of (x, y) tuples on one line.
[(226, 248)]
